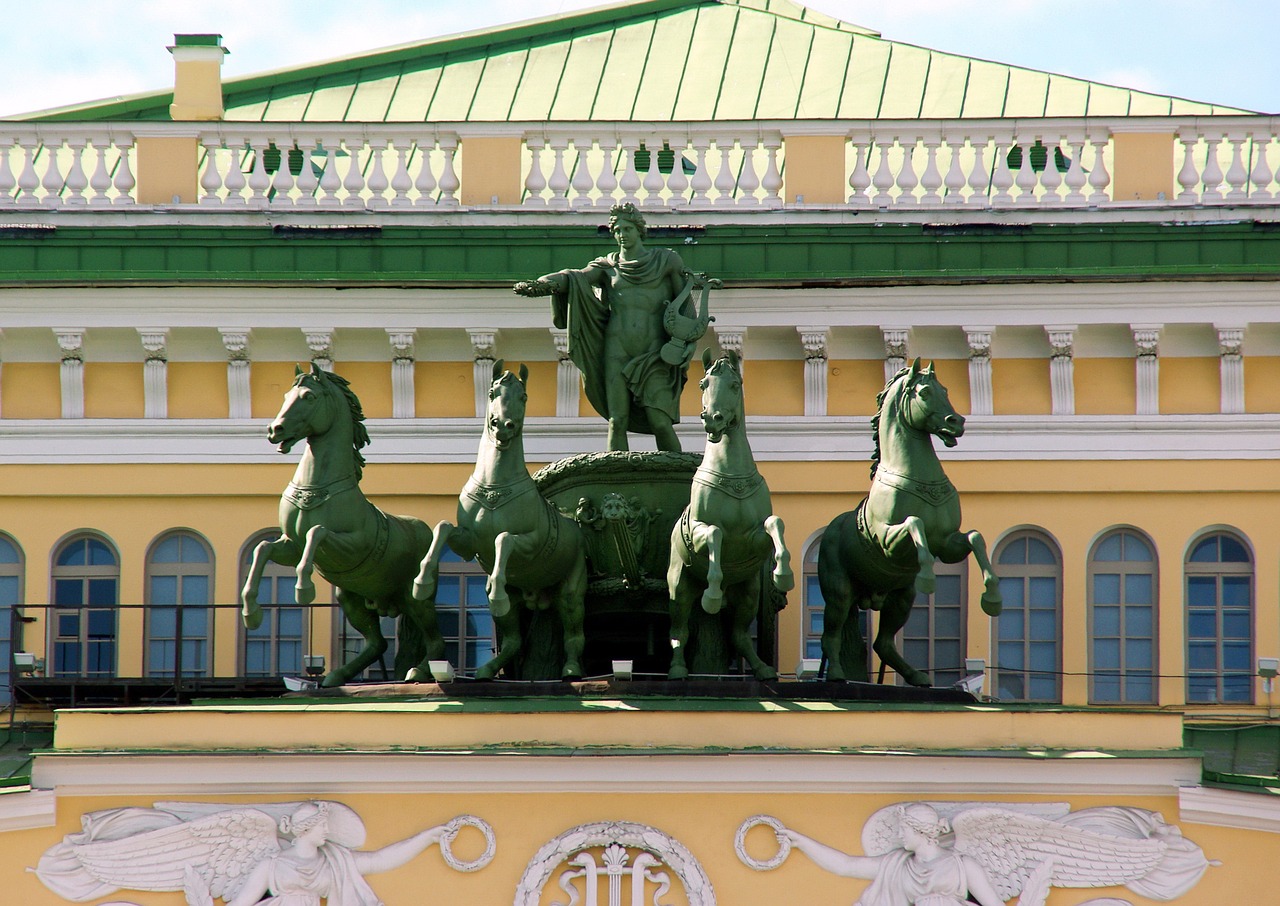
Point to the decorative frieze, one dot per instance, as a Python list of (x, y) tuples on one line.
[(403, 395), (71, 372), (483, 343), (320, 342), (815, 340), (1062, 369), (1146, 341), (895, 350), (155, 372), (239, 400), (1231, 368), (568, 377), (980, 393)]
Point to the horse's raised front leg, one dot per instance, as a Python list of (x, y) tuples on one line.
[(708, 539), (364, 619), (424, 586), (504, 545), (913, 527), (282, 550), (959, 546), (305, 588), (746, 606), (893, 616), (783, 579)]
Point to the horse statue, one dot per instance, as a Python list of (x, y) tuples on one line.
[(526, 545), (327, 525), (880, 556), (728, 531)]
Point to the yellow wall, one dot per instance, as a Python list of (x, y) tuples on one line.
[(1261, 377), (773, 387), (1190, 385), (113, 390), (445, 389), (371, 381), (268, 383), (1021, 387), (197, 389), (1106, 386), (852, 385), (31, 390)]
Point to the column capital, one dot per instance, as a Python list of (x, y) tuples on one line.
[(814, 340), (154, 341), (402, 342), (979, 340), (1230, 339), (1146, 338), (560, 336), (484, 341), (70, 341), (236, 341), (1062, 340), (320, 342), (895, 341), (731, 338)]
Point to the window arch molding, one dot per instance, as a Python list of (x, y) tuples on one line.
[(1027, 636), (1122, 575), (1219, 569), (178, 589), (1219, 529), (1023, 529), (278, 646), (13, 569), (84, 619)]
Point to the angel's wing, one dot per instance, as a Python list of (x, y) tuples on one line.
[(1009, 845), (882, 833), (221, 848)]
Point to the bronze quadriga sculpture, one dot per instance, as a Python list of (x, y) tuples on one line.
[(880, 555), (328, 526)]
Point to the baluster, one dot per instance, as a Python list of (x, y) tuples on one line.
[(607, 182), (353, 182), (1188, 176), (52, 182), (307, 180), (883, 179), (677, 182), (425, 182), (210, 179), (725, 181), (1002, 178), (630, 182), (1099, 178), (1027, 179), (28, 182), (235, 181), (76, 180), (772, 181), (653, 181), (931, 179), (1260, 175), (534, 181), (860, 178), (449, 182), (1236, 173), (329, 182), (954, 180), (558, 182), (400, 182), (979, 178), (1051, 178), (582, 182), (377, 183), (259, 182), (907, 179), (123, 180), (701, 181), (282, 181), (748, 182), (7, 179), (1075, 178), (1212, 175)]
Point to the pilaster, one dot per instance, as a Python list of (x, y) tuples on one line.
[(1146, 340), (71, 372), (1062, 369), (483, 342), (155, 372), (1231, 368), (568, 378), (980, 395), (895, 350), (403, 396), (239, 401), (814, 340)]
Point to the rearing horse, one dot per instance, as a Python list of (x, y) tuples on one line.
[(524, 543), (728, 530), (880, 556), (329, 526)]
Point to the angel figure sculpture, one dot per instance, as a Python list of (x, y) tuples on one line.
[(284, 854), (960, 853)]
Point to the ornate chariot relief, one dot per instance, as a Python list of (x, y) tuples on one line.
[(293, 853), (636, 861), (958, 853)]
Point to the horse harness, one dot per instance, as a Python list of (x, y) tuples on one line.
[(934, 493), (496, 496), (308, 497), (739, 487)]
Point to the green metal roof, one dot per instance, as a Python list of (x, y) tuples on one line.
[(1243, 757), (659, 60)]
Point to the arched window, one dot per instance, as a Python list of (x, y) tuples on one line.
[(1122, 619), (11, 563), (179, 591), (934, 639), (276, 647), (1028, 646), (1219, 571), (86, 594), (463, 609), (813, 605)]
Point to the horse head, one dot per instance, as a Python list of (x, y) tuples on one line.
[(504, 421), (924, 405), (721, 395), (306, 410)]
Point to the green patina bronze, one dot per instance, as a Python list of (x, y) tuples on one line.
[(880, 556), (327, 525), (632, 328), (728, 530), (526, 546)]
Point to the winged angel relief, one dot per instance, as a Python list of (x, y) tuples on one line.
[(960, 853), (283, 854)]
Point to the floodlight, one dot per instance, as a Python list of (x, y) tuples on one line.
[(622, 669), (808, 668), (442, 671)]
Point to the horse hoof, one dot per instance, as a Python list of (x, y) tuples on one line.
[(486, 672), (712, 603), (424, 591), (304, 594), (500, 607), (333, 679), (925, 585), (572, 673), (918, 678), (784, 582), (765, 673), (992, 604), (415, 675), (678, 673), (252, 620)]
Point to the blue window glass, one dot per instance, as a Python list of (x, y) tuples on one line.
[(179, 593), (86, 577), (278, 645), (1219, 621), (1122, 602), (10, 598), (1028, 631)]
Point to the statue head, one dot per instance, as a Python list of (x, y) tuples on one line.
[(630, 214), (922, 822), (340, 824)]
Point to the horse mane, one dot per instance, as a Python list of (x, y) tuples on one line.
[(875, 419), (359, 433)]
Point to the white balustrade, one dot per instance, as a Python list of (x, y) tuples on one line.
[(890, 164)]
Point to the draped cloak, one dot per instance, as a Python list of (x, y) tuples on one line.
[(651, 382)]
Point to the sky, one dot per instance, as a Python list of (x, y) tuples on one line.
[(1221, 52)]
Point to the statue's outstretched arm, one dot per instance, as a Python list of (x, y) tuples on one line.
[(393, 855), (833, 860)]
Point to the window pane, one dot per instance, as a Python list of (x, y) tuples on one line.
[(1235, 656), (164, 589), (1039, 553), (1106, 621), (1044, 625), (68, 592), (946, 623), (1206, 551), (1235, 591), (1233, 551), (1106, 687), (102, 592), (1106, 588), (1108, 551), (99, 553), (1136, 550), (1106, 654), (1139, 688), (1202, 689), (1015, 552), (1202, 624), (195, 589), (475, 591), (290, 621), (1236, 624), (102, 624), (166, 551), (1139, 589), (1202, 591), (448, 591), (1138, 621), (1138, 654), (1010, 626), (73, 554), (1044, 592), (1011, 656), (1202, 656), (8, 553), (164, 622), (1013, 592)]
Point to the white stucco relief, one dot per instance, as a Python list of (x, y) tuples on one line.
[(293, 853), (959, 853)]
